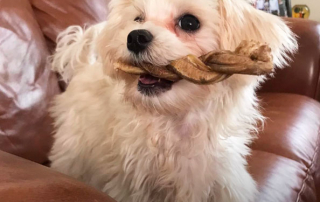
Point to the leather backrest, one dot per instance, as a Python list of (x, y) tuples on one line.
[(26, 83), (302, 74), (28, 31), (55, 16)]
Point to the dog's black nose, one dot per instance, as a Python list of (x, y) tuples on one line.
[(138, 40)]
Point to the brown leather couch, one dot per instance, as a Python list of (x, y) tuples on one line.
[(285, 160)]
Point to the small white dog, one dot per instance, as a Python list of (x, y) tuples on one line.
[(144, 139)]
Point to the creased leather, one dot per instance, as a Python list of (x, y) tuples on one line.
[(26, 83)]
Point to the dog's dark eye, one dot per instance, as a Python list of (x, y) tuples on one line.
[(189, 23), (138, 19)]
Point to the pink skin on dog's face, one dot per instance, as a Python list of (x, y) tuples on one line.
[(167, 23), (170, 24)]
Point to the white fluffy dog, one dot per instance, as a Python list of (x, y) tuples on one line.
[(144, 139)]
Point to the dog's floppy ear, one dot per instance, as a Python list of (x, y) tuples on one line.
[(241, 21)]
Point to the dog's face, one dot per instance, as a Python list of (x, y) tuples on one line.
[(159, 31)]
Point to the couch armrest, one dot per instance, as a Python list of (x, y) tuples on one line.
[(302, 74), (23, 180)]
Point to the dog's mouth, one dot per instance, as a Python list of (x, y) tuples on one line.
[(152, 86)]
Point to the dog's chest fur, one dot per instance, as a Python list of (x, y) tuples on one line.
[(155, 158), (158, 163), (142, 157)]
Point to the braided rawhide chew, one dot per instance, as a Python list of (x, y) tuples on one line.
[(251, 58)]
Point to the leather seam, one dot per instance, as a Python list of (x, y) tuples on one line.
[(318, 84), (308, 173), (317, 93)]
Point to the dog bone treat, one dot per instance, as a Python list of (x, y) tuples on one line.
[(249, 58), (161, 72), (129, 69), (194, 70)]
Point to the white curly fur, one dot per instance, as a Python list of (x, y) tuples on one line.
[(75, 49), (187, 144)]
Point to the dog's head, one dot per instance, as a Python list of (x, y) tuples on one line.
[(159, 31)]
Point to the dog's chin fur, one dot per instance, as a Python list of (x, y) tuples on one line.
[(186, 144)]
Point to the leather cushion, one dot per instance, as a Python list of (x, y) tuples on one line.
[(286, 160)]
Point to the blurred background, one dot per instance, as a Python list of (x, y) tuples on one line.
[(307, 9)]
